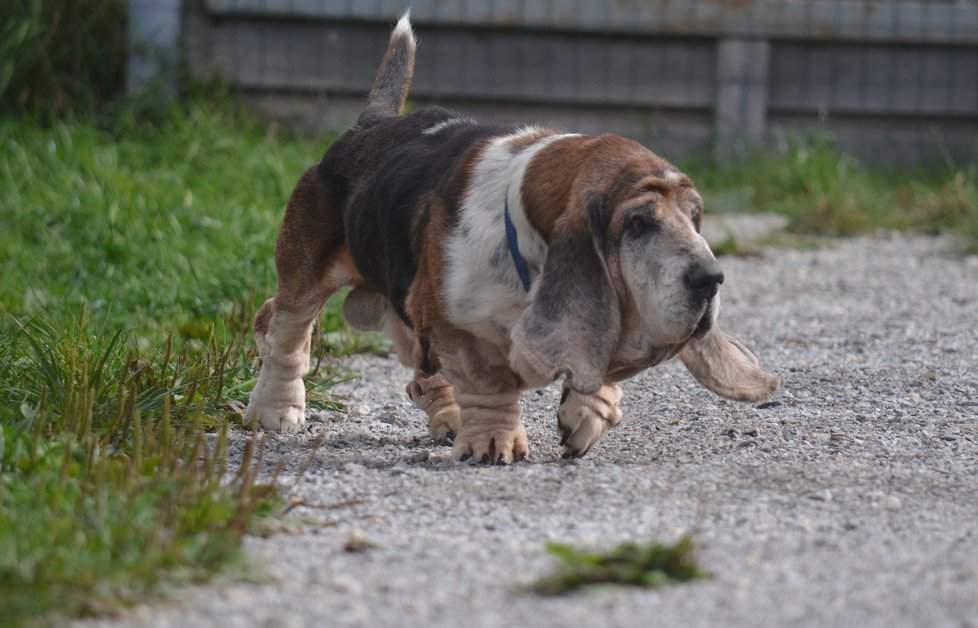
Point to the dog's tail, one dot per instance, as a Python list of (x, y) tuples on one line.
[(394, 76)]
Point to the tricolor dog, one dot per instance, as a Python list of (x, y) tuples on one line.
[(497, 259)]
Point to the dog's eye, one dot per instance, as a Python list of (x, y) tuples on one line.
[(639, 225)]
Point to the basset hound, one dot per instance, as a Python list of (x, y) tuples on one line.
[(497, 259)]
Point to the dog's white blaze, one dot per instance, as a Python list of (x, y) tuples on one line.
[(444, 124), (672, 175), (483, 290)]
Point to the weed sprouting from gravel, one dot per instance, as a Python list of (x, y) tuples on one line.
[(638, 564)]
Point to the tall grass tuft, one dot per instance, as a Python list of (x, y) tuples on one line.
[(114, 479)]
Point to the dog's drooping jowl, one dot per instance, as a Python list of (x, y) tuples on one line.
[(497, 259)]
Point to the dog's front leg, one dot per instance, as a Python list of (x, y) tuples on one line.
[(584, 419), (488, 396), (492, 431)]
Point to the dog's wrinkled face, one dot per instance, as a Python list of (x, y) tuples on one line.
[(670, 274), (629, 281)]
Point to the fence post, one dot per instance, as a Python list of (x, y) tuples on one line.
[(740, 113), (154, 42)]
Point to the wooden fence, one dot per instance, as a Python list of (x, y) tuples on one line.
[(892, 81)]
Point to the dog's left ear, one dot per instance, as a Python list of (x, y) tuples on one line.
[(724, 365), (573, 324)]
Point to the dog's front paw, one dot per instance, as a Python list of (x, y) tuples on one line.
[(584, 419), (287, 419), (492, 445)]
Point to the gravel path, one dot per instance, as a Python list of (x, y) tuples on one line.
[(852, 501)]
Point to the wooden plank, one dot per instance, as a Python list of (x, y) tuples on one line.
[(672, 134), (895, 21), (500, 66), (935, 81)]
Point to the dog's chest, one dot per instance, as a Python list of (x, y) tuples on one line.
[(482, 288), (483, 292)]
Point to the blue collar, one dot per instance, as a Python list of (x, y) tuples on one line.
[(514, 245)]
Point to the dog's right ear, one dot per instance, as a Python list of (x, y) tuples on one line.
[(573, 324), (724, 365)]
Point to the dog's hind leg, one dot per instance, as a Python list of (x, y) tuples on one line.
[(429, 390), (368, 310), (312, 264), (434, 394)]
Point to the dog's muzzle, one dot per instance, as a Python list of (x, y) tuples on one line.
[(703, 281)]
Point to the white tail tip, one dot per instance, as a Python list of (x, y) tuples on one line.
[(403, 26)]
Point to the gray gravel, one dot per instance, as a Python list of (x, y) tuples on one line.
[(851, 501)]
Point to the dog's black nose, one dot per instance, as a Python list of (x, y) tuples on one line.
[(703, 279)]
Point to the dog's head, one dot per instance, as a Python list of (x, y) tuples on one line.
[(667, 276), (629, 280)]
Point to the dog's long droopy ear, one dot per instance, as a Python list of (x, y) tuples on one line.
[(573, 324), (724, 365)]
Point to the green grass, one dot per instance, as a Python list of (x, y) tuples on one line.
[(132, 260), (171, 221), (61, 58), (638, 564), (825, 193)]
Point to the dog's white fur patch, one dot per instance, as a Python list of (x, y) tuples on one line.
[(483, 289), (444, 124)]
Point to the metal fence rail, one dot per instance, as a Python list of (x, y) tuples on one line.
[(893, 81)]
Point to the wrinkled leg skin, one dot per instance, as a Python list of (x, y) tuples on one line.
[(488, 396), (584, 419), (312, 264), (492, 431)]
